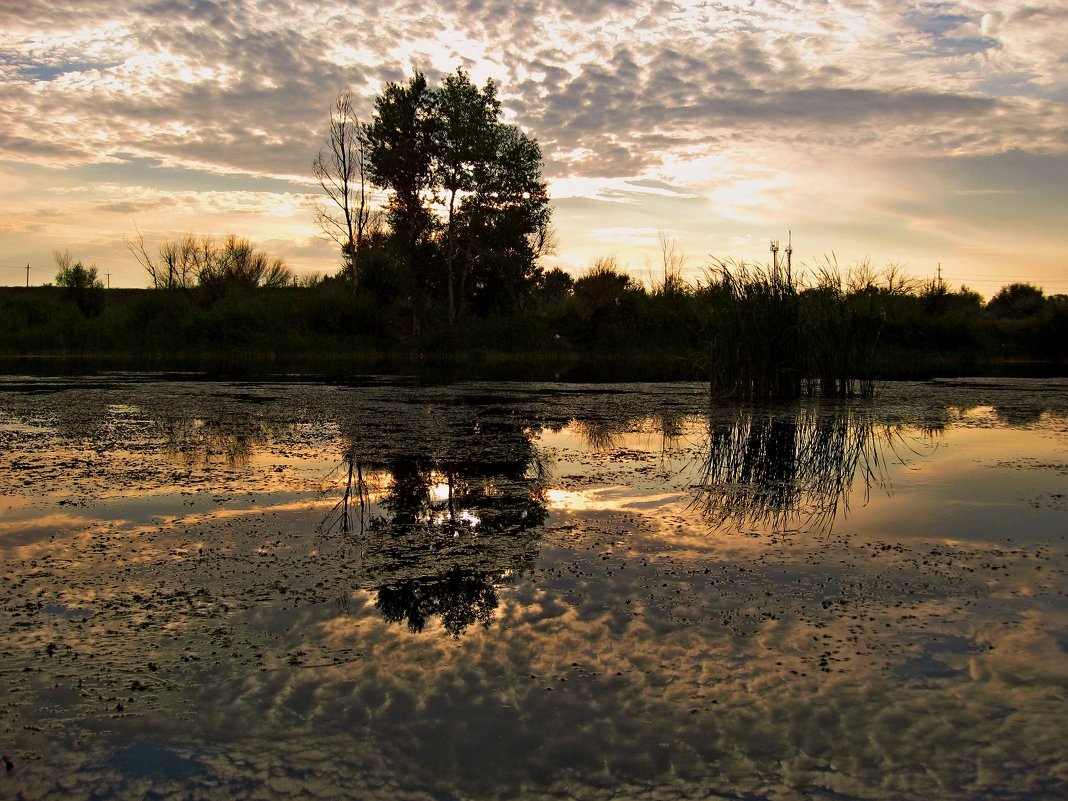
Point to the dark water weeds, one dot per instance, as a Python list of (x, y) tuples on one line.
[(503, 590)]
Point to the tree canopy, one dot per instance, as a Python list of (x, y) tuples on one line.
[(193, 261), (467, 208)]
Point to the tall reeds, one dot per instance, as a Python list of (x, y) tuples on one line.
[(771, 336)]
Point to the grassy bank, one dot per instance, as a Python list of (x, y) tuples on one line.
[(745, 333)]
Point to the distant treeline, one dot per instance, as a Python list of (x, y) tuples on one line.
[(729, 327)]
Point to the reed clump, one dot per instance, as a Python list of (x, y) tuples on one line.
[(772, 335)]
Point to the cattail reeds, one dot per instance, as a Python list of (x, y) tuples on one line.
[(770, 336)]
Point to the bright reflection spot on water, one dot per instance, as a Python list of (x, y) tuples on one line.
[(568, 499)]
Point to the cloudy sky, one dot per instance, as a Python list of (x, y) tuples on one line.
[(909, 133)]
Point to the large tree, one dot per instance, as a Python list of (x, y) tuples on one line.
[(465, 130), (400, 140), (446, 152), (506, 221)]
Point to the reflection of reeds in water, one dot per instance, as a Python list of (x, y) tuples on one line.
[(599, 435), (606, 434), (783, 471)]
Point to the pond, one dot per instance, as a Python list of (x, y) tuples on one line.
[(378, 590)]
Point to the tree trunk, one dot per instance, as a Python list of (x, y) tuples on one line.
[(449, 259)]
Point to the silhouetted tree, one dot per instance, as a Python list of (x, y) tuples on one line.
[(507, 223), (448, 145), (179, 262), (400, 140), (342, 171), (1017, 300), (603, 287), (556, 284), (465, 129), (74, 275), (201, 261), (238, 264), (81, 282)]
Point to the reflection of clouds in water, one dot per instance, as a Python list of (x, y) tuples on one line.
[(572, 693), (581, 687), (628, 645)]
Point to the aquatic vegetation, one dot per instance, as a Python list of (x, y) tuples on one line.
[(769, 336)]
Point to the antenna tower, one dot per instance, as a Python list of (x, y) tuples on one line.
[(775, 255)]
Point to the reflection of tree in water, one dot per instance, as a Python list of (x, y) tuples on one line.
[(1019, 416), (457, 597), (784, 469), (199, 441), (455, 516), (604, 431)]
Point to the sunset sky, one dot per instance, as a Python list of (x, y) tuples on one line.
[(910, 133)]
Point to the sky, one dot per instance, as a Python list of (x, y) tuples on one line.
[(923, 135)]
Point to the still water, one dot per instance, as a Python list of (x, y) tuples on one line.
[(503, 590)]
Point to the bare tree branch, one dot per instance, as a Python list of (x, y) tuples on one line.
[(342, 172)]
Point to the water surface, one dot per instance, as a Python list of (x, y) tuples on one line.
[(498, 590)]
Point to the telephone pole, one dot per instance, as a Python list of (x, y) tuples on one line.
[(27, 276)]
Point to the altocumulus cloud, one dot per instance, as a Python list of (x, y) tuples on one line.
[(243, 86), (612, 89)]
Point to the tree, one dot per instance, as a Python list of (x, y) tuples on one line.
[(556, 284), (342, 172), (603, 289), (465, 126), (74, 275), (238, 264), (400, 143), (1017, 301), (507, 222), (446, 152), (179, 262), (200, 261), (80, 282)]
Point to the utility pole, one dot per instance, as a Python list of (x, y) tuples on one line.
[(27, 276), (940, 276), (109, 279)]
